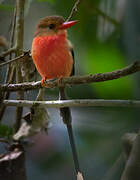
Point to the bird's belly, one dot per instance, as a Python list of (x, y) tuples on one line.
[(52, 60)]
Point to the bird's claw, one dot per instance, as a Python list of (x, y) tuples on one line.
[(48, 83), (59, 82), (43, 84)]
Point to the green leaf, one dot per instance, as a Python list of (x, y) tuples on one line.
[(6, 7), (5, 131)]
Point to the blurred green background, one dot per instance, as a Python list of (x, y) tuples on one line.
[(106, 38)]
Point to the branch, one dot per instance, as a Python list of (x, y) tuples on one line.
[(132, 168), (74, 103), (74, 9), (105, 16), (10, 72), (12, 34), (128, 140), (25, 55), (19, 25), (9, 79), (19, 44), (9, 51), (75, 80)]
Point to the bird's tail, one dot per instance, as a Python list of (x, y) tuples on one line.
[(67, 119)]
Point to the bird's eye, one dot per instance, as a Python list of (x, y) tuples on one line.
[(51, 26)]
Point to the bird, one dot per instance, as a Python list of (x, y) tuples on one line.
[(52, 52), (53, 57)]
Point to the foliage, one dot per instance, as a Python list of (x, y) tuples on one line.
[(105, 58), (5, 131), (6, 7)]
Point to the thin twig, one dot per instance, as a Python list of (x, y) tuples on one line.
[(12, 34), (10, 79), (99, 12), (10, 74), (21, 57), (74, 10), (20, 25), (75, 103), (6, 53), (75, 80)]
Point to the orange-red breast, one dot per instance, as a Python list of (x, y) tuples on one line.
[(51, 50)]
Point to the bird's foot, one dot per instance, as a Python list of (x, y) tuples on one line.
[(48, 83), (59, 82), (43, 82)]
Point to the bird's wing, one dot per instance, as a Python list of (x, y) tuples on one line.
[(72, 53), (73, 68)]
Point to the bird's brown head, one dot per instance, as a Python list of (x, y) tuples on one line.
[(52, 25)]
